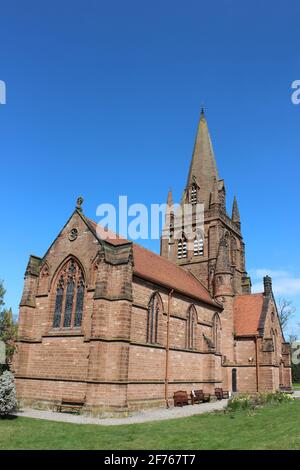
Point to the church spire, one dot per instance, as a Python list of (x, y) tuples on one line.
[(170, 198), (235, 212), (203, 168), (167, 236)]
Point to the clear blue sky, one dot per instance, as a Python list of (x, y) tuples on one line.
[(103, 99)]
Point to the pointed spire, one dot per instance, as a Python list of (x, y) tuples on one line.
[(235, 212), (203, 165), (170, 198), (167, 234), (168, 215), (223, 264)]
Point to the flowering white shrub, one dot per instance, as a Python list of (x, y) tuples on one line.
[(240, 402), (8, 400), (248, 402)]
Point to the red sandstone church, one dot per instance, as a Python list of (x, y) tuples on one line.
[(113, 325)]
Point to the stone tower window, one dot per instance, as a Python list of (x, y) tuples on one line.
[(69, 296), (191, 325), (182, 248), (198, 247), (171, 226), (193, 194), (154, 309)]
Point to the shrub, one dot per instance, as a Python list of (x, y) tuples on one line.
[(8, 400), (240, 402), (246, 402), (281, 397)]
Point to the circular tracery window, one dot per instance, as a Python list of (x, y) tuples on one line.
[(73, 234)]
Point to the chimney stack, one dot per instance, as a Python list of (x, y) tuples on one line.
[(267, 285)]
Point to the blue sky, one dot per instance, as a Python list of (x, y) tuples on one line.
[(103, 99)]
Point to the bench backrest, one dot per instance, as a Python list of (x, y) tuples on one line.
[(70, 401), (181, 394), (197, 393)]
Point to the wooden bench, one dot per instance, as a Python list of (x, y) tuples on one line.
[(180, 398), (286, 390), (69, 404), (220, 393), (197, 396)]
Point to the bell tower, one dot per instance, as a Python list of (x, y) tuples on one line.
[(198, 250)]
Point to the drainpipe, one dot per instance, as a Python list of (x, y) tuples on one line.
[(167, 350), (257, 365)]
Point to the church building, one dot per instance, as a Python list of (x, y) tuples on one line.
[(117, 327)]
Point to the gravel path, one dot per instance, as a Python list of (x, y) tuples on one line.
[(146, 416), (157, 414)]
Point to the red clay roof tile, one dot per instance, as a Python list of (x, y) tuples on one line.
[(247, 310), (157, 269)]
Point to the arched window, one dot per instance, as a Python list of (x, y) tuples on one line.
[(217, 332), (69, 296), (172, 218), (154, 309), (191, 326), (182, 248), (198, 246), (274, 339), (272, 316), (193, 194), (233, 246)]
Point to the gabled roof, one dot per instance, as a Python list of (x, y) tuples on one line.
[(247, 311), (103, 234), (155, 268)]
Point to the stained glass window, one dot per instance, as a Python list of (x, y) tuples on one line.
[(69, 303), (69, 296)]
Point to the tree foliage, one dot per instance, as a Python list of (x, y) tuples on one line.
[(8, 400), (8, 333), (286, 311), (8, 328), (2, 294)]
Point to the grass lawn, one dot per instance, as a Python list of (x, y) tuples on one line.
[(271, 427), (296, 386)]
